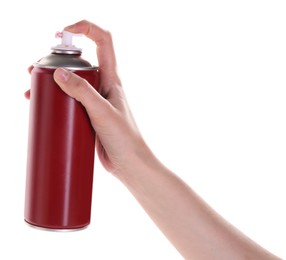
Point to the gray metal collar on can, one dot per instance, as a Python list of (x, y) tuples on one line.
[(71, 60)]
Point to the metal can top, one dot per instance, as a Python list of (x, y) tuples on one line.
[(66, 60), (65, 55)]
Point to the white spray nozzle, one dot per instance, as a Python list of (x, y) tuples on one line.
[(66, 44)]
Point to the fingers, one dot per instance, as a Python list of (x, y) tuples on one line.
[(103, 40), (27, 94), (30, 69), (96, 106)]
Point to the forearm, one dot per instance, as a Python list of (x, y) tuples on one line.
[(196, 230), (189, 223)]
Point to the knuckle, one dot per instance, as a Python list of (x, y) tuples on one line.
[(106, 38), (107, 35), (80, 83), (79, 87)]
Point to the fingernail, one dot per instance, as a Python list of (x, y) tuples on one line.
[(69, 28), (62, 74)]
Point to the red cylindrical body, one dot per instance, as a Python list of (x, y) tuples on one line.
[(60, 154)]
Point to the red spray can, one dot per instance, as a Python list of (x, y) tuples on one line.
[(61, 145)]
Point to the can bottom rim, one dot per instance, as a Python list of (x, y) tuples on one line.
[(55, 229)]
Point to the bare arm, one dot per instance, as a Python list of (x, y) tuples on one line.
[(195, 229)]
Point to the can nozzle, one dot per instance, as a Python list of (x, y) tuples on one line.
[(66, 44)]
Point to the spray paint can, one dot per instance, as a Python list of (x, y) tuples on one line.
[(61, 144)]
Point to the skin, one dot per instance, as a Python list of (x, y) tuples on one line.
[(191, 225)]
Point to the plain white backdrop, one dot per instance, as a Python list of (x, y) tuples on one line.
[(206, 83)]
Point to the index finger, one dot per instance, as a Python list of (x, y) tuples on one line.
[(103, 40)]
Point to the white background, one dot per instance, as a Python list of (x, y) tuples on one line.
[(206, 83)]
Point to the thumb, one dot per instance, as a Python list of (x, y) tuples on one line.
[(98, 108)]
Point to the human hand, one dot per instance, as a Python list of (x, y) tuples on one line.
[(117, 136)]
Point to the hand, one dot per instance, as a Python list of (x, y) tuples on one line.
[(117, 136)]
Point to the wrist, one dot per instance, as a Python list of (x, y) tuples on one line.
[(139, 162)]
